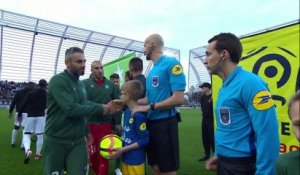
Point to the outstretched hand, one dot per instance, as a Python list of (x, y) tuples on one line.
[(112, 107), (117, 103)]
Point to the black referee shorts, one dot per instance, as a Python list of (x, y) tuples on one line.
[(236, 165), (163, 148)]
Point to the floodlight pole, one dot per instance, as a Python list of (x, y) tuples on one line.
[(31, 52), (59, 48), (104, 50), (1, 43)]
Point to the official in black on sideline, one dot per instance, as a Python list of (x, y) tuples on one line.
[(207, 121)]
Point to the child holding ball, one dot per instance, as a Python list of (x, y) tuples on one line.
[(135, 134)]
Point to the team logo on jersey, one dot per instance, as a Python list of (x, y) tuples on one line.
[(177, 69), (106, 86), (131, 120), (143, 126), (263, 100), (155, 81), (225, 117)]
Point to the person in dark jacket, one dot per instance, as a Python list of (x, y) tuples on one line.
[(16, 102), (136, 71), (35, 104), (116, 79), (128, 77), (207, 121)]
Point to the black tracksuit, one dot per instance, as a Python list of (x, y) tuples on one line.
[(34, 103), (207, 124), (18, 99)]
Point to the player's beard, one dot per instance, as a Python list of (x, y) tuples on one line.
[(80, 71), (100, 76), (149, 55)]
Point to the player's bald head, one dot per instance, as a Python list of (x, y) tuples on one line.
[(156, 39)]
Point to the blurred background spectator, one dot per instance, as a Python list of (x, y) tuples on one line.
[(7, 91)]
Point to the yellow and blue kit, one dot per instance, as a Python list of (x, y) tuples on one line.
[(135, 131)]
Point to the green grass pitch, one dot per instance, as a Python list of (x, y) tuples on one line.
[(11, 159)]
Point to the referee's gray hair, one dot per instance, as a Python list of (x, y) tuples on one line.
[(69, 52)]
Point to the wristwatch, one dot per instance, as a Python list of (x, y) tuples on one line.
[(152, 105)]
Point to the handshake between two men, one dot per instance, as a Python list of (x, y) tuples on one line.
[(113, 106)]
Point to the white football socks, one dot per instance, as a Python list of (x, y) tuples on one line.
[(27, 141), (14, 136), (22, 144), (39, 143)]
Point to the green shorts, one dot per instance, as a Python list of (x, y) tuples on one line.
[(60, 157)]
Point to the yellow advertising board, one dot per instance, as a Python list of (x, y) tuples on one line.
[(274, 56)]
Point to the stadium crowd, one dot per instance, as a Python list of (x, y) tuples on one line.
[(8, 89)]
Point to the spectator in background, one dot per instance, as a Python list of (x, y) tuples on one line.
[(208, 139), (116, 79), (245, 113), (19, 121), (100, 90), (136, 69), (288, 164), (127, 76), (8, 89), (34, 104)]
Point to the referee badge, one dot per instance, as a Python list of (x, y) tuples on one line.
[(143, 126), (177, 69), (262, 100), (131, 120), (155, 81), (225, 117)]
